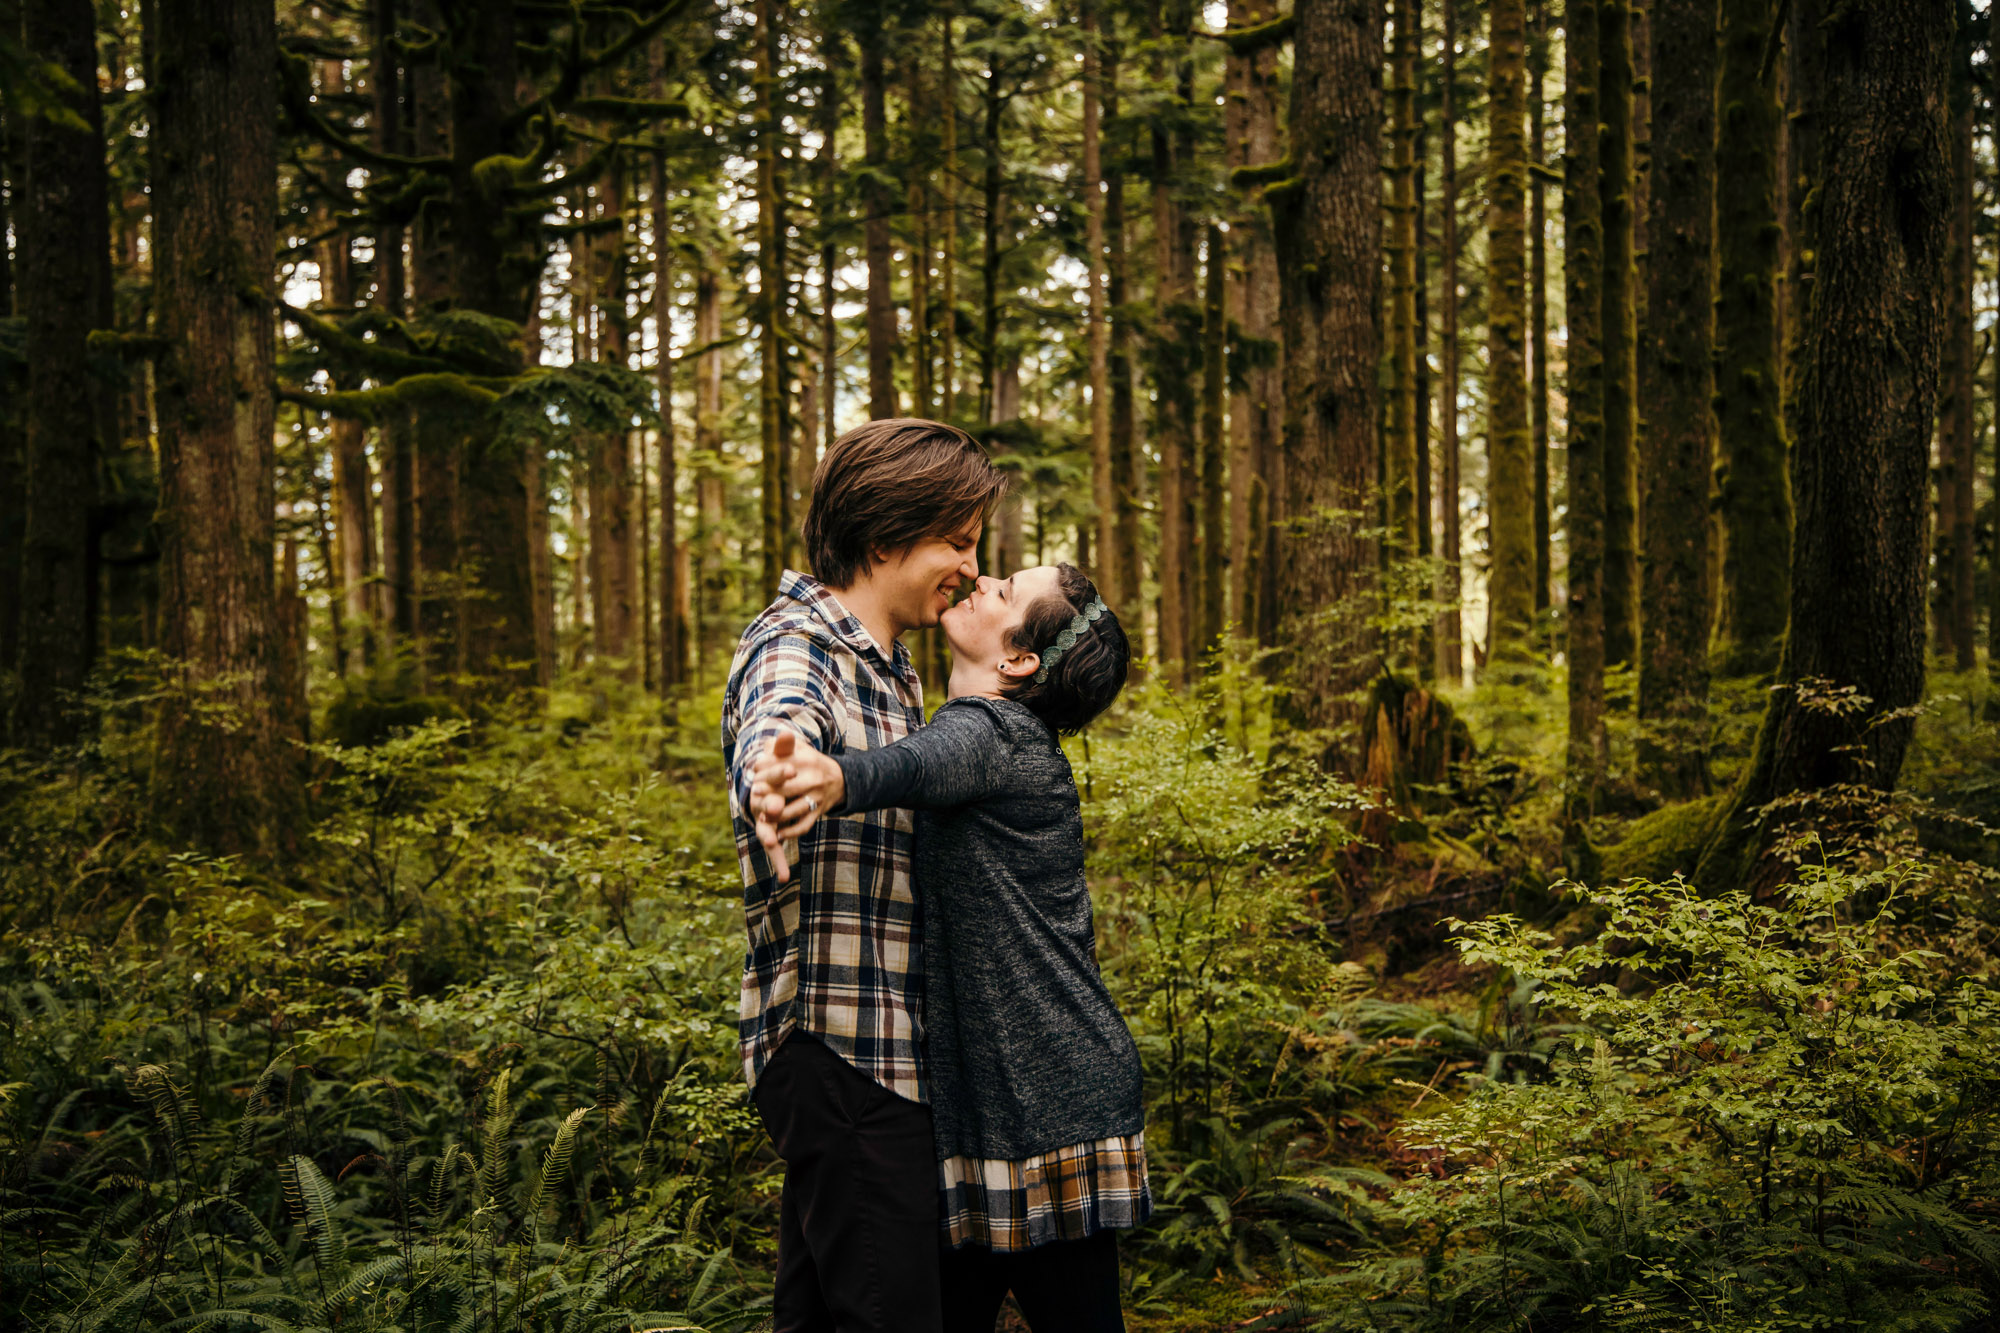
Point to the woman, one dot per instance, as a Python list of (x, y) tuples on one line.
[(1034, 1081)]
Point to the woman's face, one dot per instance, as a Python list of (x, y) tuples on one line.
[(979, 626)]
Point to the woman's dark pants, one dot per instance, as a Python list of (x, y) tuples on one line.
[(1070, 1286)]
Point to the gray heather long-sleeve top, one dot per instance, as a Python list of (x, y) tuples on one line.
[(1025, 1051)]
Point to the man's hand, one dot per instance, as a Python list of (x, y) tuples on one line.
[(790, 788)]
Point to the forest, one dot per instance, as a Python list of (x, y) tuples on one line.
[(1543, 452)]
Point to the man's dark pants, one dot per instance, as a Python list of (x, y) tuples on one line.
[(857, 1239)]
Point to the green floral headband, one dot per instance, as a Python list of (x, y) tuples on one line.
[(1076, 629)]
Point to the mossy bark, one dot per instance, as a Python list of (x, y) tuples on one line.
[(1677, 386), (1873, 343), (1510, 443), (1583, 277), (65, 291), (1621, 337), (226, 776), (1399, 463), (1753, 474), (1954, 608), (1127, 475), (1328, 221), (1103, 489)]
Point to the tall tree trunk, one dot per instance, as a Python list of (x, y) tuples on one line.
[(1399, 470), (770, 302), (1583, 303), (437, 437), (226, 779), (1677, 388), (921, 384), (1328, 228), (1753, 477), (1256, 411), (64, 275), (1214, 452), (673, 667), (1103, 489), (948, 189), (1874, 338), (1451, 631), (1538, 295), (615, 557), (710, 564), (1956, 606), (395, 443), (870, 35), (353, 484), (833, 52), (1127, 475), (1621, 338), (496, 264), (1176, 330), (1510, 446)]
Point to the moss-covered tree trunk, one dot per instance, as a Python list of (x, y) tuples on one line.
[(65, 291), (226, 775), (948, 199), (1753, 474), (497, 258), (1677, 385), (437, 434), (1510, 443), (1399, 460), (1450, 629), (1328, 225), (1621, 337), (1583, 301), (396, 447), (353, 485), (1955, 608), (1873, 344)]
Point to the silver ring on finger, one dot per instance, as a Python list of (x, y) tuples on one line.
[(812, 805)]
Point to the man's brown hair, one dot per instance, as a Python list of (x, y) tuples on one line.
[(890, 484)]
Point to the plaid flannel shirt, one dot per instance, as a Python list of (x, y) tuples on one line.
[(836, 950)]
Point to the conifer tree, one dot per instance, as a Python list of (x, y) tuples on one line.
[(1677, 386), (1510, 446), (1619, 183), (1753, 480), (1583, 301)]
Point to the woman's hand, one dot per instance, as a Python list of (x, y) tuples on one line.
[(790, 788)]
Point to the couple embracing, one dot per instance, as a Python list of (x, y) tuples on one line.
[(953, 1092)]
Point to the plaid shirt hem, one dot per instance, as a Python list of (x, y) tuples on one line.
[(1066, 1194)]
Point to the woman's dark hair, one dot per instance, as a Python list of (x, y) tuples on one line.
[(1085, 679), (890, 484)]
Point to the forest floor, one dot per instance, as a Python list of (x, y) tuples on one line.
[(471, 1046)]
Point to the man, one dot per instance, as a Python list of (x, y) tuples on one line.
[(832, 1009)]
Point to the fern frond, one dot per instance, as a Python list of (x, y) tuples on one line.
[(555, 1163), (314, 1197)]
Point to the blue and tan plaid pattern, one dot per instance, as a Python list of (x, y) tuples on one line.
[(1067, 1194), (834, 951)]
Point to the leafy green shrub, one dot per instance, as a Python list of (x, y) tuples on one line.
[(1788, 1117)]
